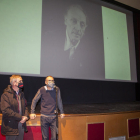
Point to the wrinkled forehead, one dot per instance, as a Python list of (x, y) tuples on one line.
[(49, 78), (76, 13), (19, 79)]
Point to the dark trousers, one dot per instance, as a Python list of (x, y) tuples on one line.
[(18, 137), (47, 122)]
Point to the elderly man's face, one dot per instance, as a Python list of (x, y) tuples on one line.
[(49, 80), (75, 22), (18, 80)]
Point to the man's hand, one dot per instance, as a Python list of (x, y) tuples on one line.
[(24, 119), (32, 116), (62, 116)]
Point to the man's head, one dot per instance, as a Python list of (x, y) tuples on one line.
[(49, 81), (75, 21), (16, 81)]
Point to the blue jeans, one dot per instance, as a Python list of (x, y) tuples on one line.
[(47, 122)]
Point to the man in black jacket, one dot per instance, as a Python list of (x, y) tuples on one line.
[(14, 110)]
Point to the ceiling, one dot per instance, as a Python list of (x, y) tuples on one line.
[(132, 3)]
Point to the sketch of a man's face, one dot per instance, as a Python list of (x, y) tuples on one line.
[(75, 22)]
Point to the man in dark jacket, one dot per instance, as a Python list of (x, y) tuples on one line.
[(14, 110), (49, 102)]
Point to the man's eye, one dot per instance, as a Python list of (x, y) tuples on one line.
[(74, 21), (82, 24)]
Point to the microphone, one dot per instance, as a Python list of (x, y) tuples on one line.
[(54, 86)]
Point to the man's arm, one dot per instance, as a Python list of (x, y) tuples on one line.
[(26, 109), (6, 109), (26, 114), (60, 105), (33, 105)]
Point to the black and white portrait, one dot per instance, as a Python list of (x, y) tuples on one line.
[(71, 45)]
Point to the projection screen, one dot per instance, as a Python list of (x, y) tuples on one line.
[(75, 39)]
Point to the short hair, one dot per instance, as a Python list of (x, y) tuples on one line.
[(48, 76), (77, 7), (13, 78)]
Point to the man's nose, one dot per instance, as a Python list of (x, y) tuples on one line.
[(77, 26)]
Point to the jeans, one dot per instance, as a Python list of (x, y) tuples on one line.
[(47, 122)]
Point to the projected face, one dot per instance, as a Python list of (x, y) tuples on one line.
[(75, 21)]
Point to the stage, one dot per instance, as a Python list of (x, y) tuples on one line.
[(112, 121), (97, 108)]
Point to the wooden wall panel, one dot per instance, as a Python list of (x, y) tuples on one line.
[(74, 127)]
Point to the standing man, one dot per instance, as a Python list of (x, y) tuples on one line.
[(14, 110), (48, 95)]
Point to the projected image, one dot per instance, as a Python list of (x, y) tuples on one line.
[(76, 39), (75, 21), (116, 46), (20, 35), (72, 40)]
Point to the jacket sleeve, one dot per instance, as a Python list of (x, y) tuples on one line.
[(6, 109), (26, 109), (34, 101), (59, 100)]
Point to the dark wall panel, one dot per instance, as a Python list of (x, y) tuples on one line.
[(79, 91)]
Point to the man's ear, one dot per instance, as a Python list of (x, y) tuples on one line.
[(65, 20), (14, 83), (46, 82)]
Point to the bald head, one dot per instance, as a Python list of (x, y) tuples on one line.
[(75, 21)]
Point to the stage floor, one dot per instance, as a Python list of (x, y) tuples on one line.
[(97, 108)]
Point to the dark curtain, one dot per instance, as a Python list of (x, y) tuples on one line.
[(136, 15)]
